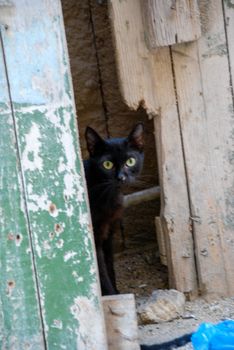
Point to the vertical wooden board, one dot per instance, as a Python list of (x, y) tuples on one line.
[(175, 211), (229, 22), (133, 57), (202, 82), (218, 96), (201, 181), (55, 191), (170, 22), (20, 323)]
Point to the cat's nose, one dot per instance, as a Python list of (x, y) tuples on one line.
[(121, 177)]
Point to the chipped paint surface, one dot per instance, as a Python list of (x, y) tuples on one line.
[(81, 309), (51, 181), (30, 158), (19, 309)]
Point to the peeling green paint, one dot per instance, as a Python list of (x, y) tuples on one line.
[(50, 208), (19, 308)]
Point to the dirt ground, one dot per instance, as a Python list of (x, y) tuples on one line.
[(139, 271), (195, 313)]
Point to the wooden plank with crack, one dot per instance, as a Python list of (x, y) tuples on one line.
[(175, 209), (218, 96), (206, 110)]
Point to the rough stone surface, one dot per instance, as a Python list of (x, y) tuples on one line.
[(162, 306)]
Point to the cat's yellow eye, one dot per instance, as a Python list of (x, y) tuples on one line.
[(131, 161), (108, 165)]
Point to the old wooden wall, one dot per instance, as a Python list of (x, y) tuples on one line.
[(188, 90)]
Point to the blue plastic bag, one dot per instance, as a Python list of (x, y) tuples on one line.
[(214, 337)]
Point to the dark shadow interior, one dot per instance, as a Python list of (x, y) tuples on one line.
[(99, 104)]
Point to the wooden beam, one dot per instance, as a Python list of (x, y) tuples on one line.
[(168, 22), (146, 195)]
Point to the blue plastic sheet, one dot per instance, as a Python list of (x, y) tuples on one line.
[(214, 336)]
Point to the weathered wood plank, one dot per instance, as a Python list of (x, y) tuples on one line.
[(175, 210), (169, 22), (212, 48), (147, 79), (121, 322), (229, 26), (59, 220), (229, 188), (161, 240), (19, 308), (133, 65), (148, 194), (204, 97)]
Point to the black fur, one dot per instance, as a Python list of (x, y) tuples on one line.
[(105, 189)]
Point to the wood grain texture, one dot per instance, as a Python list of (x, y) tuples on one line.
[(138, 197), (134, 65), (161, 240), (190, 95), (175, 209), (53, 179), (218, 100), (206, 111), (147, 79), (168, 22), (121, 322)]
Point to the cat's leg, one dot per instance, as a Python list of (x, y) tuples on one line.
[(109, 259), (106, 285)]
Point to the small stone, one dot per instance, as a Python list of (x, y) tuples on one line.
[(162, 306)]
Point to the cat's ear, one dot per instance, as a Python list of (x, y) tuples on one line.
[(136, 137), (93, 140)]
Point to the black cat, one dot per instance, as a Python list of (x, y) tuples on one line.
[(113, 163)]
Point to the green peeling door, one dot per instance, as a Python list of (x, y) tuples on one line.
[(49, 292)]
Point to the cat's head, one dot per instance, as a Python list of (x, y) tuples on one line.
[(117, 159)]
